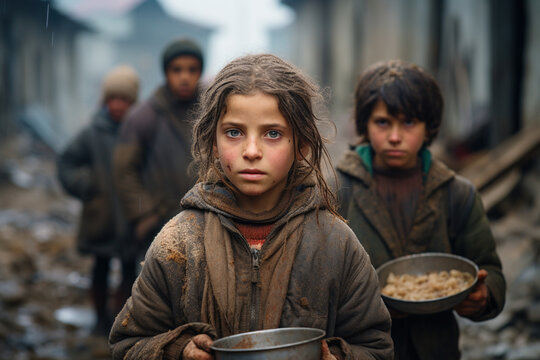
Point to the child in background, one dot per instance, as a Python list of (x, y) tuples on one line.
[(400, 201), (85, 171), (259, 244)]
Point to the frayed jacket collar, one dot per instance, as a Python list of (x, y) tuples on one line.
[(219, 199), (358, 164)]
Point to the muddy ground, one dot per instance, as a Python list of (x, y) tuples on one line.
[(46, 314)]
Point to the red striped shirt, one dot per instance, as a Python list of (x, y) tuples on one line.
[(255, 234)]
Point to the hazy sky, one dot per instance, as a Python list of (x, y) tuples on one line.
[(241, 25)]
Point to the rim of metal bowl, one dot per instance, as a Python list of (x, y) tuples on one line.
[(432, 254), (321, 332)]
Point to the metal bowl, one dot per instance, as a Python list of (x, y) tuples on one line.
[(418, 264), (273, 344)]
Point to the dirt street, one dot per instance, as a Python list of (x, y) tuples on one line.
[(45, 312)]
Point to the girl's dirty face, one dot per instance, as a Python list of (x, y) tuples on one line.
[(254, 144), (396, 141)]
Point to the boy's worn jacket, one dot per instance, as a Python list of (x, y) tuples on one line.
[(200, 276), (432, 336), (153, 155), (85, 171)]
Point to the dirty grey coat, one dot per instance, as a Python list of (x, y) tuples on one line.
[(85, 171), (432, 336), (331, 286)]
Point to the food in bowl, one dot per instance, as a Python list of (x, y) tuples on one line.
[(424, 263), (428, 286)]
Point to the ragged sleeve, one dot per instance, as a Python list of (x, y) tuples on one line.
[(363, 322), (155, 323)]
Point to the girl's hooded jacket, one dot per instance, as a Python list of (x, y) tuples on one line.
[(431, 336), (200, 276)]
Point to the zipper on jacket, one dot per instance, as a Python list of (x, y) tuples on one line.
[(255, 263)]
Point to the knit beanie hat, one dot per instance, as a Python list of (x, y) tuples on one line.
[(182, 46), (121, 81)]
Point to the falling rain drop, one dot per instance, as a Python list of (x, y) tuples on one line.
[(47, 21), (52, 39)]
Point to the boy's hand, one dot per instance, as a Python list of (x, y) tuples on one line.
[(476, 301), (198, 348), (325, 352)]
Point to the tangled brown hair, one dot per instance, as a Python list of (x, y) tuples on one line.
[(405, 88), (297, 96)]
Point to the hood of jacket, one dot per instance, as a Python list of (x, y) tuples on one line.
[(218, 198)]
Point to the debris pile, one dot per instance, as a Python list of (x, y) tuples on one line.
[(515, 333), (509, 181), (45, 311)]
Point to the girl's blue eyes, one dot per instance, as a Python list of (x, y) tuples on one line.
[(232, 133), (272, 134)]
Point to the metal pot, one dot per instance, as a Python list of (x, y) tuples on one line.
[(420, 264), (273, 344)]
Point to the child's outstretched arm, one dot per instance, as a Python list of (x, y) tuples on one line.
[(158, 321)]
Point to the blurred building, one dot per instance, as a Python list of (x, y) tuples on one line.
[(136, 36), (485, 54), (152, 30), (39, 71), (53, 58)]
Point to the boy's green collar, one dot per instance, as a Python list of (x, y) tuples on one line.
[(366, 154)]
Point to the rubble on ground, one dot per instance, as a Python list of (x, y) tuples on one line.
[(43, 281)]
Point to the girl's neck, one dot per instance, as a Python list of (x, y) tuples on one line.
[(259, 205)]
